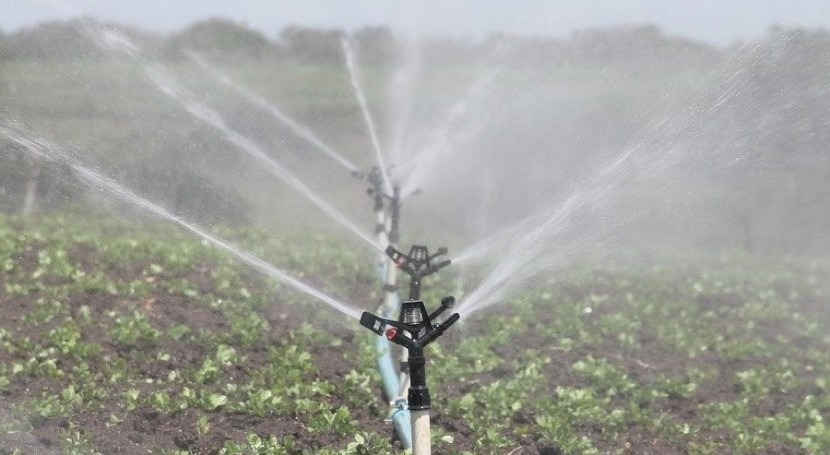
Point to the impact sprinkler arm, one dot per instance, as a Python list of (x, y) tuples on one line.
[(446, 303)]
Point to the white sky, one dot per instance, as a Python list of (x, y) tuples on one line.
[(715, 21)]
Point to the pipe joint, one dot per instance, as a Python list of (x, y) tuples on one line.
[(419, 399)]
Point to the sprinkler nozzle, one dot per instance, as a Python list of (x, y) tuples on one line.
[(372, 322), (448, 302)]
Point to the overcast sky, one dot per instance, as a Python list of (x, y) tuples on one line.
[(714, 21)]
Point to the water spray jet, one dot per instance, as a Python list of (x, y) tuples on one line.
[(354, 78), (93, 179), (163, 79), (298, 129)]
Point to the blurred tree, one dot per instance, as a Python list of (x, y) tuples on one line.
[(220, 36), (526, 51), (448, 51), (376, 44), (54, 41), (637, 46), (312, 45)]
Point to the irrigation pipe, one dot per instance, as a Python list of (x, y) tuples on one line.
[(392, 384)]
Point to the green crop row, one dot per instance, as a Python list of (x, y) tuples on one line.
[(107, 326)]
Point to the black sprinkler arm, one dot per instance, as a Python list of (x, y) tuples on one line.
[(439, 330), (393, 329), (446, 303)]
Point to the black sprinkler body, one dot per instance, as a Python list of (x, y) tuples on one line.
[(413, 330), (417, 264)]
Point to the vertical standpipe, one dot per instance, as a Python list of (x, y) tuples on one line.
[(386, 230)]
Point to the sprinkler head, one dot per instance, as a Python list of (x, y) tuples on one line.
[(414, 330), (446, 303), (418, 261), (417, 264)]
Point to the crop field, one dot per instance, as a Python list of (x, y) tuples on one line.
[(118, 339)]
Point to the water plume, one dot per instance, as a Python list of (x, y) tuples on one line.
[(99, 182), (524, 248), (168, 85), (354, 78), (300, 130)]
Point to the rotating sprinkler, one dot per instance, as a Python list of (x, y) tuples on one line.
[(417, 264), (387, 223), (413, 331)]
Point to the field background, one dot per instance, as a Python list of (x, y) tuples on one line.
[(684, 313)]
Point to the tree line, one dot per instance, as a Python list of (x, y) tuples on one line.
[(378, 45)]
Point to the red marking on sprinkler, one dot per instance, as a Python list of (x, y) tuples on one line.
[(401, 262), (391, 333)]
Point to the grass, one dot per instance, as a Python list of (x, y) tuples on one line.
[(119, 339)]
